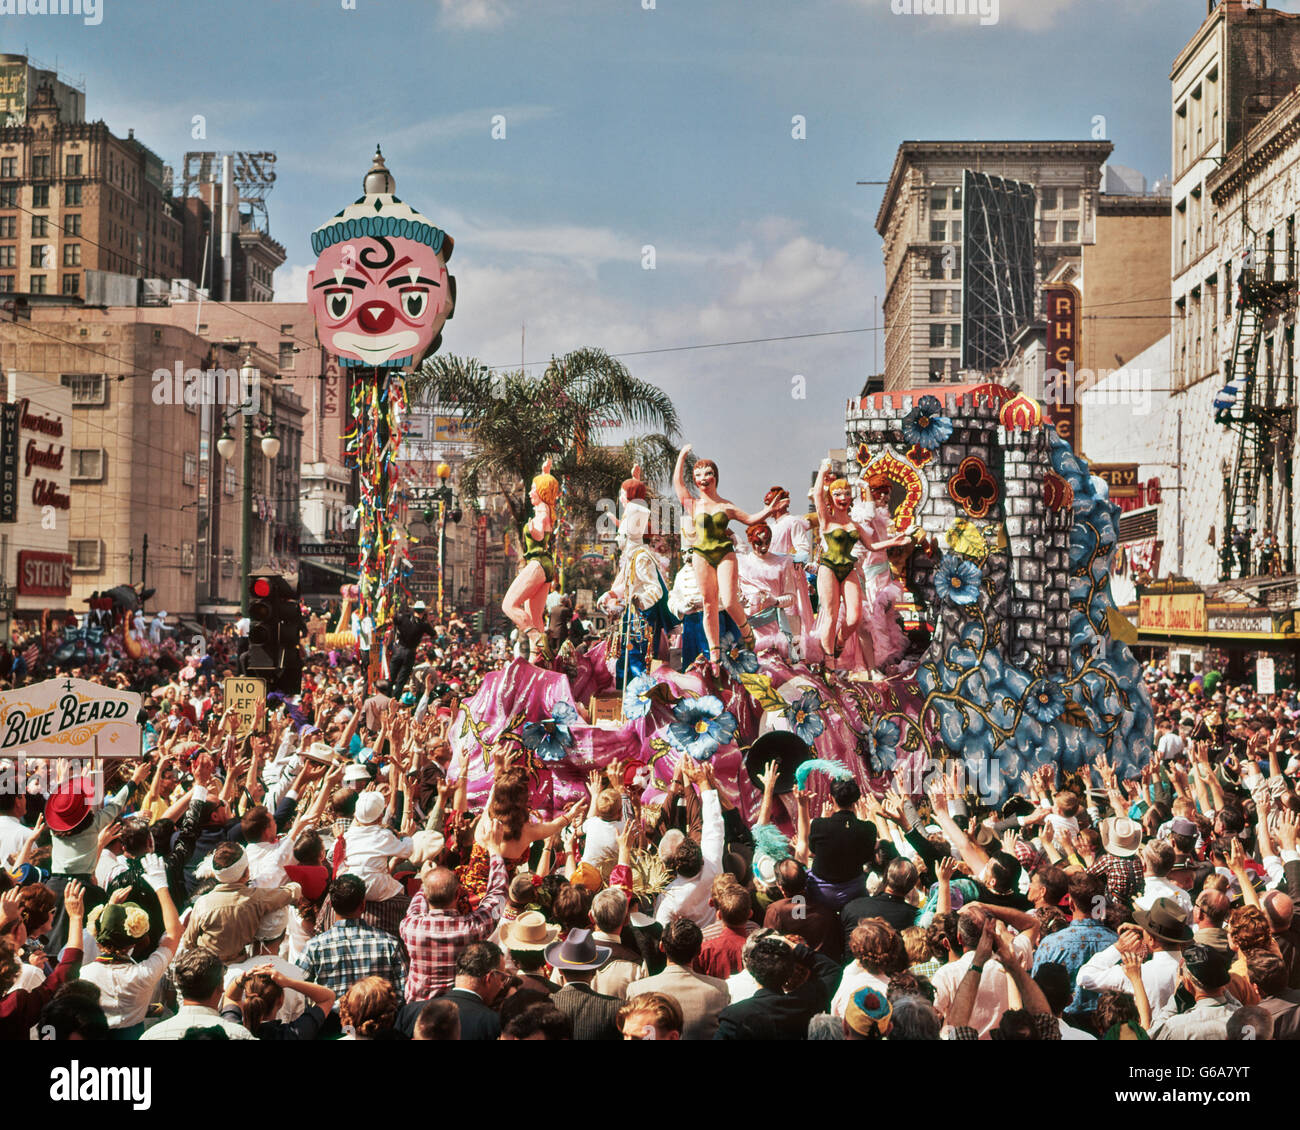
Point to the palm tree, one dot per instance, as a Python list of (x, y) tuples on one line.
[(517, 422)]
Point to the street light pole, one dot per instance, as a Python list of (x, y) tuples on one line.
[(246, 519)]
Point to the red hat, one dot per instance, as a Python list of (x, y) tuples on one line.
[(313, 880), (68, 806)]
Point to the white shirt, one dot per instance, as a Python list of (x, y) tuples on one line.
[(689, 898), (602, 840), (196, 1016), (741, 986), (991, 999), (369, 849), (1170, 746), (126, 988), (14, 835), (295, 1004), (29, 978), (854, 978), (1159, 975), (266, 863), (791, 535), (107, 867), (1155, 888), (1071, 1033)]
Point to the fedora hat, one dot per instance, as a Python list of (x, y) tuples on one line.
[(530, 931), (1165, 920), (68, 806), (577, 953), (320, 751), (1121, 836), (788, 750)]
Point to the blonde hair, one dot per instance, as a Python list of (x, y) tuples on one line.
[(547, 485), (609, 804)]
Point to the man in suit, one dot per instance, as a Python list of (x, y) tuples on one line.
[(841, 845), (777, 1012), (577, 959), (701, 998), (480, 980), (890, 904), (609, 914)]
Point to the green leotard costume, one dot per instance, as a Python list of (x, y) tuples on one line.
[(539, 551), (838, 557), (711, 541)]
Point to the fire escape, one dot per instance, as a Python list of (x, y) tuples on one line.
[(1258, 404)]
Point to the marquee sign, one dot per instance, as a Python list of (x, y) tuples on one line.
[(69, 718)]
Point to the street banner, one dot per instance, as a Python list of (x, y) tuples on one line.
[(69, 718)]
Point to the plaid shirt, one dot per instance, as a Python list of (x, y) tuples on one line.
[(351, 951), (434, 938), (1124, 877), (1045, 1026)]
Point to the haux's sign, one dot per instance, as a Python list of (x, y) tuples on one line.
[(69, 718)]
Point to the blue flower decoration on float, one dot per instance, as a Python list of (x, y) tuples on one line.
[(551, 738), (925, 426), (636, 697), (736, 659), (957, 580), (1045, 700), (703, 727), (804, 716)]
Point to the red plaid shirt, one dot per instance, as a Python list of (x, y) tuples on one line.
[(434, 938)]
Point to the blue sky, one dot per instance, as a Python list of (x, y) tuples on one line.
[(626, 127)]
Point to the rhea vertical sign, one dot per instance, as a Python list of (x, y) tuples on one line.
[(1062, 307)]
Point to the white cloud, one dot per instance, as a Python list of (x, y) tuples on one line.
[(290, 282), (474, 14)]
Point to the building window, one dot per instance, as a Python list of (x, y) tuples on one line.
[(41, 166), (37, 285), (1070, 231), (8, 256), (87, 388), (1069, 200), (956, 231), (187, 557), (938, 302), (954, 336), (72, 194), (937, 368), (8, 196), (1047, 231), (229, 480), (40, 226), (938, 335), (87, 464), (72, 165), (8, 166), (938, 199), (40, 196), (227, 562), (42, 255), (1049, 199), (938, 231), (72, 224), (6, 284), (72, 255), (286, 355), (70, 283), (936, 265), (87, 555), (190, 475), (8, 227)]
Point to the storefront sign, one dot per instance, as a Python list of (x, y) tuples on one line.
[(9, 416), (1247, 620), (44, 574), (1061, 304), (69, 718), (480, 562), (1172, 612)]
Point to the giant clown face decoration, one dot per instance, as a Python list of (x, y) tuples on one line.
[(380, 290)]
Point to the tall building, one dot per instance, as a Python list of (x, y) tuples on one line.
[(255, 255), (920, 221), (75, 198)]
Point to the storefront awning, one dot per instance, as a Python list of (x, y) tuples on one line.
[(1149, 636)]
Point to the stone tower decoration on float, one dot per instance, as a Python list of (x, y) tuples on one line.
[(1014, 543), (381, 294)]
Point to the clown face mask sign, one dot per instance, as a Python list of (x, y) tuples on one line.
[(380, 290)]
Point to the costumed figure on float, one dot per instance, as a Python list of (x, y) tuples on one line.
[(842, 588), (639, 590), (775, 594), (713, 553), (525, 601)]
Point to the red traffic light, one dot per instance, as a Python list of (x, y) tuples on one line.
[(261, 587)]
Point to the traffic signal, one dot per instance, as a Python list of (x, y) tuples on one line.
[(275, 626), (479, 621)]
